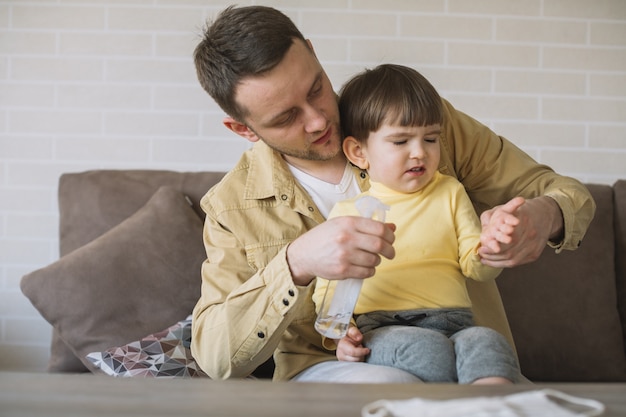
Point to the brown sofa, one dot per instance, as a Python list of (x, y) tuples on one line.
[(131, 250)]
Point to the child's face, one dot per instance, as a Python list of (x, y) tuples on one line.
[(404, 159)]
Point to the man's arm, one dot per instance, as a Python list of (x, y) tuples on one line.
[(494, 171), (241, 318)]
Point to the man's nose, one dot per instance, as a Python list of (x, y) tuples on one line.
[(315, 120)]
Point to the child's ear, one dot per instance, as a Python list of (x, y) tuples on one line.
[(355, 152)]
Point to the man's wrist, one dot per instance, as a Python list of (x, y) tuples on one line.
[(298, 278), (557, 229)]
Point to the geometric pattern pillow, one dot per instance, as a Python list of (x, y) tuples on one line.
[(165, 354)]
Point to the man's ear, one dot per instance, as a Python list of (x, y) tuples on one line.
[(240, 129), (310, 45), (355, 152)]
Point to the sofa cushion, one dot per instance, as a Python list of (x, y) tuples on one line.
[(565, 307), (93, 202), (102, 295)]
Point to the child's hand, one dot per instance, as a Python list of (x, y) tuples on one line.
[(350, 349), (498, 225)]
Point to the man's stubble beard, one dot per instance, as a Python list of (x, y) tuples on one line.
[(306, 154)]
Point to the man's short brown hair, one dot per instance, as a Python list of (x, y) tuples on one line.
[(241, 42)]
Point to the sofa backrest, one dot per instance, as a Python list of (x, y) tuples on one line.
[(619, 190), (92, 202), (563, 309)]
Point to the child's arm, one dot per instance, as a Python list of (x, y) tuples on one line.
[(469, 235)]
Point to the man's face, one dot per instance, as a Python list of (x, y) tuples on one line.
[(293, 108)]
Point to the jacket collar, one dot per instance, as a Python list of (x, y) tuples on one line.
[(259, 185), (270, 177)]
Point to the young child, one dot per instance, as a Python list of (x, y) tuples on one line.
[(415, 313)]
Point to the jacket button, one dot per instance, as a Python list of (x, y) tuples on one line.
[(291, 293), (311, 209), (284, 197), (261, 335), (363, 175), (285, 301)]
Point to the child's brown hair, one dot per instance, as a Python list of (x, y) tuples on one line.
[(389, 93)]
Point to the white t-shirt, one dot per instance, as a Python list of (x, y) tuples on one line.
[(325, 194)]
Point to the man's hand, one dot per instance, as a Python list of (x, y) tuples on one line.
[(517, 232), (350, 348), (342, 247)]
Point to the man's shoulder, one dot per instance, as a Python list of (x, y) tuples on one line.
[(233, 179), (229, 189)]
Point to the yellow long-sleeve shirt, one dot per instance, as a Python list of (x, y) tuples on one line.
[(437, 237)]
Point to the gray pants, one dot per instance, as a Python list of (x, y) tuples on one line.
[(355, 373), (437, 345)]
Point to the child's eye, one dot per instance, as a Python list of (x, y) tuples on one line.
[(431, 140), (399, 142)]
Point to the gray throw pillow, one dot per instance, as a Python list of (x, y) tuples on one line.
[(136, 279)]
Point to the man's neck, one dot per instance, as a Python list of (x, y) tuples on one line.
[(330, 171)]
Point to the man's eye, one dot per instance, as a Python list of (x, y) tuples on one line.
[(288, 118), (316, 92)]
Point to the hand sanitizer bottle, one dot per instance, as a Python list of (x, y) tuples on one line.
[(340, 297)]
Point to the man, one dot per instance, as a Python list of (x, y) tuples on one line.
[(265, 231)]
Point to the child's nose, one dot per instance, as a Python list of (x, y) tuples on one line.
[(417, 151)]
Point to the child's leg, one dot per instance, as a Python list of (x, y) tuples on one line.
[(484, 356), (492, 380), (427, 354)]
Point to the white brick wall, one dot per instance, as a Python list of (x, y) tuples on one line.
[(88, 84)]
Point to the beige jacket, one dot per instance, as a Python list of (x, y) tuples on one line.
[(250, 309)]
